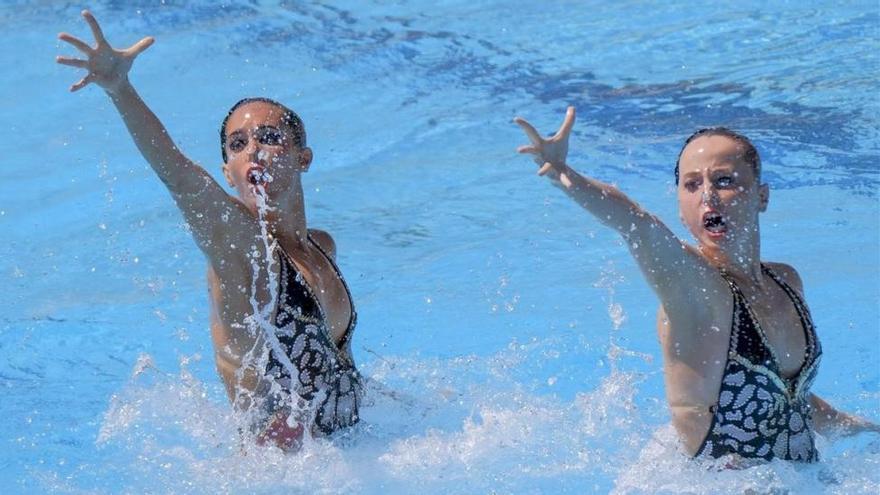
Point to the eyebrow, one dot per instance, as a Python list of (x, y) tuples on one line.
[(261, 128)]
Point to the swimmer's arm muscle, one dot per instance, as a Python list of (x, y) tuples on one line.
[(217, 221), (677, 273), (183, 178), (220, 225)]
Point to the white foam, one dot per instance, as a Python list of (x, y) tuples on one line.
[(458, 425)]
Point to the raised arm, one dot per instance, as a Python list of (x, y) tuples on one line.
[(201, 200), (604, 201), (675, 270)]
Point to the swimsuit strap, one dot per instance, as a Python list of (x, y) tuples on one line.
[(811, 346), (811, 342), (353, 319), (740, 308), (760, 414), (747, 339), (796, 299)]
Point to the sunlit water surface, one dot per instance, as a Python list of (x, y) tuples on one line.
[(507, 337)]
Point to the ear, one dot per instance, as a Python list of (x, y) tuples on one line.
[(228, 175), (305, 159), (763, 197)]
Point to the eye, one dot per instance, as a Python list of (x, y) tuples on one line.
[(271, 137), (691, 185), (724, 181), (237, 143)]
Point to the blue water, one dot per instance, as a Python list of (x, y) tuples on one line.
[(508, 337)]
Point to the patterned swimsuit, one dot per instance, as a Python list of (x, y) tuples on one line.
[(324, 376), (760, 413)]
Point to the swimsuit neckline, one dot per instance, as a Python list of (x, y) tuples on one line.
[(794, 380), (760, 413), (352, 319)]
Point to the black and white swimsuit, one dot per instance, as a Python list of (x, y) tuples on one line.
[(324, 376), (760, 413)]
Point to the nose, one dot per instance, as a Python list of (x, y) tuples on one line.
[(708, 195), (253, 150)]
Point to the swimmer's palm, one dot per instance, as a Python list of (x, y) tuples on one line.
[(549, 153), (107, 66)]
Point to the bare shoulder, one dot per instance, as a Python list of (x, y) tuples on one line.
[(325, 241), (693, 291), (788, 274)]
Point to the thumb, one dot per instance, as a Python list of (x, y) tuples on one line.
[(140, 46)]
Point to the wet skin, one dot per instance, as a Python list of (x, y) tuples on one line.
[(259, 146), (717, 183), (720, 199), (225, 228)]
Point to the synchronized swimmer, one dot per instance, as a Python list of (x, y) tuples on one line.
[(282, 316), (740, 350)]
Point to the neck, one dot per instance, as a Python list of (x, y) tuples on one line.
[(741, 259)]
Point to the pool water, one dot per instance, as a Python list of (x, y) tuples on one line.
[(507, 338)]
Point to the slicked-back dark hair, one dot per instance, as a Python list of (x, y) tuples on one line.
[(751, 154), (288, 117)]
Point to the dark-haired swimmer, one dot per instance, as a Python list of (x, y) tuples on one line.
[(282, 316), (739, 348)]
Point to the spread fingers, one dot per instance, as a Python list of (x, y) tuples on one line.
[(568, 123), (96, 29), (81, 84), (140, 46), (73, 62), (76, 42), (530, 131), (545, 168)]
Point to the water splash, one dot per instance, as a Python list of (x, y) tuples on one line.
[(442, 426), (261, 327)]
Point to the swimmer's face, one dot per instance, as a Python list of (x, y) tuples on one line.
[(261, 154), (719, 196)]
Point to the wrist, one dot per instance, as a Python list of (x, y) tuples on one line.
[(120, 88)]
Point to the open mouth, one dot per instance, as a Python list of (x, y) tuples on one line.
[(258, 176), (714, 223)]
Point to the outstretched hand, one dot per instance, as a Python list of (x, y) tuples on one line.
[(107, 66), (549, 153)]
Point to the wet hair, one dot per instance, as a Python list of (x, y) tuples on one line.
[(289, 118), (751, 154)]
